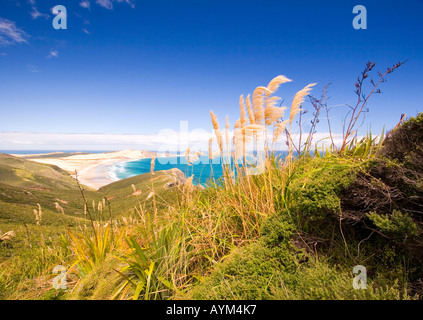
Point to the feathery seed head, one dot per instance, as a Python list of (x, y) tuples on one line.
[(237, 124), (215, 123), (153, 162), (258, 102), (250, 110), (275, 83), (242, 112), (298, 101), (278, 129), (211, 148)]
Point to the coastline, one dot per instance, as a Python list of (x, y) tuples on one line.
[(93, 169), (97, 175)]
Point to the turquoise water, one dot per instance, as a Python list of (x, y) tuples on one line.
[(202, 169)]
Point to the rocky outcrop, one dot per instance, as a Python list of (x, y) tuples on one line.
[(178, 179), (177, 176)]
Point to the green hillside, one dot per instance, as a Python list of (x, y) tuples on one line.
[(126, 195), (23, 173), (27, 186), (53, 155), (295, 231), (24, 184)]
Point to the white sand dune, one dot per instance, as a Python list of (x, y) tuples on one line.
[(92, 168)]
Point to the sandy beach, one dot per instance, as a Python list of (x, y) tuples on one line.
[(92, 168)]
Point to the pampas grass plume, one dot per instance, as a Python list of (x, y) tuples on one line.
[(250, 110), (298, 101), (275, 83), (153, 162)]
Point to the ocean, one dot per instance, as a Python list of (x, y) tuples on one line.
[(29, 152), (202, 169)]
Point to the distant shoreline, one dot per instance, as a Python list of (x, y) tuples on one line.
[(92, 168)]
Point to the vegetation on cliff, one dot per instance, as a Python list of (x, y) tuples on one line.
[(279, 228)]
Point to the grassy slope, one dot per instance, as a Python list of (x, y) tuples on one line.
[(344, 211), (291, 258), (36, 249), (24, 184), (52, 155), (123, 199), (305, 249)]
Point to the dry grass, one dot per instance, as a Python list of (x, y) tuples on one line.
[(153, 162), (262, 113)]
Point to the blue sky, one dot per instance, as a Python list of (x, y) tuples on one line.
[(135, 67)]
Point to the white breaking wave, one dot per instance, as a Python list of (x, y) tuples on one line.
[(115, 169)]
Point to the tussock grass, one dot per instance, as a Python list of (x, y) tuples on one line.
[(271, 228), (185, 243)]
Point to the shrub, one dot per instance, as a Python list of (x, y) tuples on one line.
[(316, 188), (405, 144), (273, 268), (399, 224), (277, 230)]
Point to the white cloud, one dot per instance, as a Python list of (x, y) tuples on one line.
[(3, 54), (85, 30), (85, 4), (53, 54), (108, 4), (32, 68), (165, 140), (61, 141), (37, 14), (105, 4), (129, 2), (10, 34)]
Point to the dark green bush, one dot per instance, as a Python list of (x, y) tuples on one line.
[(273, 268), (277, 230), (316, 189), (399, 225), (405, 144)]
